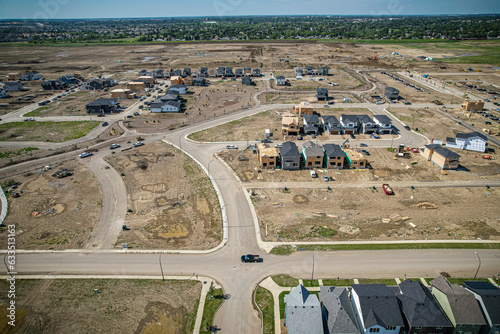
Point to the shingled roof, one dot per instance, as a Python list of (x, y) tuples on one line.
[(337, 309)]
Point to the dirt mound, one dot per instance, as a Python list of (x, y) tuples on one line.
[(300, 199)]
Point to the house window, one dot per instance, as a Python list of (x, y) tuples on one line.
[(317, 162), (374, 330), (418, 327), (271, 163), (309, 163), (390, 328), (264, 164), (439, 327), (294, 164)]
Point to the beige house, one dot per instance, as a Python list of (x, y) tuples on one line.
[(312, 155), (355, 159), (135, 85), (304, 108), (441, 156), (268, 156), (176, 80), (473, 105), (290, 125), (150, 80), (122, 94)]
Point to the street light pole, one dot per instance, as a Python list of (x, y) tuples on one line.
[(312, 275), (479, 266)]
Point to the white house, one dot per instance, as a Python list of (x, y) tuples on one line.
[(384, 124), (169, 107), (377, 309), (299, 71), (280, 80), (28, 76), (3, 93), (349, 123), (181, 89), (473, 141)]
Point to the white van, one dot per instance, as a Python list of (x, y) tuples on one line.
[(313, 174)]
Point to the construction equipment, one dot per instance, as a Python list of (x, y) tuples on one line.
[(140, 138), (487, 157), (14, 194), (437, 102), (62, 173), (343, 144)]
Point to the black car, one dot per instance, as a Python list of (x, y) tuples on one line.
[(251, 258), (407, 127), (266, 140)]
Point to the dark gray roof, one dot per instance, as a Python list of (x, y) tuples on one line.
[(280, 77), (329, 119), (391, 90), (384, 119), (340, 317), (432, 146), (419, 306), (322, 91), (178, 86), (450, 140), (471, 135), (443, 151), (311, 118), (365, 119), (490, 296), (463, 304), (333, 150), (379, 305), (349, 118), (289, 149), (303, 312), (102, 102)]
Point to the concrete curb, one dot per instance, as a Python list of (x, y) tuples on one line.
[(5, 206)]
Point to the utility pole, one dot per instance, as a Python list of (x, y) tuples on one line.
[(312, 275)]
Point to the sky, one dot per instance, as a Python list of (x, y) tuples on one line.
[(60, 9)]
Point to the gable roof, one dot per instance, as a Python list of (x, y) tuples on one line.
[(103, 102), (384, 119), (471, 135), (419, 306), (379, 305), (339, 312), (322, 91), (303, 312), (333, 150), (349, 118), (365, 119), (490, 297), (289, 149), (463, 304), (443, 151), (280, 77), (312, 149), (329, 119), (311, 119)]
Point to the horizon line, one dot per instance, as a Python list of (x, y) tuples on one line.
[(243, 16)]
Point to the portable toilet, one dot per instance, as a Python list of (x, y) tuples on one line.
[(268, 133)]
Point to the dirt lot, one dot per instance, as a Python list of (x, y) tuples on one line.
[(74, 104), (172, 200), (67, 209), (203, 103), (427, 96), (121, 306), (428, 122), (364, 214)]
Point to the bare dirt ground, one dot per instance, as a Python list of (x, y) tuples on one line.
[(364, 214), (172, 200), (249, 128), (74, 104), (121, 306), (220, 98), (66, 209)]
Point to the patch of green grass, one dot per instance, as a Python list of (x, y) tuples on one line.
[(401, 246), (391, 149), (46, 131), (10, 154), (35, 112), (386, 281), (338, 282), (308, 283), (191, 318), (282, 250), (488, 57), (282, 303), (212, 303), (264, 300), (285, 280)]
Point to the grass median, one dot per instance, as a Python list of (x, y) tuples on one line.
[(287, 249), (212, 303), (264, 300), (45, 131)]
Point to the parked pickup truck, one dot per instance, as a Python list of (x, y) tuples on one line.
[(251, 258), (387, 189)]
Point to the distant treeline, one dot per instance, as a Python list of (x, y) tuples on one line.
[(252, 28)]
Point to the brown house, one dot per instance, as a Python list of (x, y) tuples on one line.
[(441, 156), (135, 85), (122, 94), (268, 156), (150, 80), (355, 159), (290, 125), (304, 108), (473, 105), (312, 154)]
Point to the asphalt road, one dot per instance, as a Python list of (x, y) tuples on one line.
[(238, 279)]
